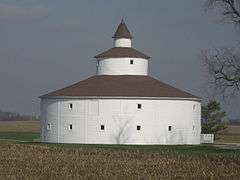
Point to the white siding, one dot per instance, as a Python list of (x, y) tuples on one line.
[(49, 115), (120, 118), (122, 42), (122, 66)]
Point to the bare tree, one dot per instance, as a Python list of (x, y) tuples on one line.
[(230, 9), (223, 66)]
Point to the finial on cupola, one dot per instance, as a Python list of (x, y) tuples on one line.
[(122, 36)]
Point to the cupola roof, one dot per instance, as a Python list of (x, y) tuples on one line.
[(122, 31), (118, 52)]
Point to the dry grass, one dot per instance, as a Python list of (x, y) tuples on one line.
[(19, 126), (231, 136), (22, 161), (233, 129), (228, 138)]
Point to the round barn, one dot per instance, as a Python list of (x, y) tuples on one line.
[(121, 104)]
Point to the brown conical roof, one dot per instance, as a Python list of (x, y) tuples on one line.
[(122, 31), (122, 86)]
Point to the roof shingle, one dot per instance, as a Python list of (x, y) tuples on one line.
[(122, 52), (122, 31), (122, 86)]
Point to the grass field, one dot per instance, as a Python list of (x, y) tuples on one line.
[(231, 136), (19, 126), (233, 129), (23, 157)]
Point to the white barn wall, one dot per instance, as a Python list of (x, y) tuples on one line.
[(49, 115), (120, 66), (120, 118)]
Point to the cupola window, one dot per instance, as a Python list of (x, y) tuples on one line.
[(138, 128), (139, 106)]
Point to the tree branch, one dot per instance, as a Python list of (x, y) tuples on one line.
[(224, 69), (231, 8)]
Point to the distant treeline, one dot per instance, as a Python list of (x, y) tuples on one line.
[(11, 116), (234, 122)]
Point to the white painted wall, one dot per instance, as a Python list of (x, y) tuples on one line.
[(122, 66), (122, 42), (120, 118)]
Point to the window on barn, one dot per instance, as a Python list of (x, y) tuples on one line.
[(131, 61), (48, 126), (139, 106), (70, 106), (138, 128), (102, 127), (169, 128), (70, 126), (194, 107)]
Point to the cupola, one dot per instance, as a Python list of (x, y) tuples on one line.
[(122, 59), (122, 37)]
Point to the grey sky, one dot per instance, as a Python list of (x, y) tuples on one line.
[(46, 45)]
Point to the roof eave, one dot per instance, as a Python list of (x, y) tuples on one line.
[(121, 97), (122, 37), (102, 57)]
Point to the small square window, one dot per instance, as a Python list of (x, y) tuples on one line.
[(70, 126), (131, 61), (48, 126), (102, 127), (194, 107), (138, 128), (70, 106), (139, 106), (169, 128)]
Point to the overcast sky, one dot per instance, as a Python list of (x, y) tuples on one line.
[(46, 45)]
